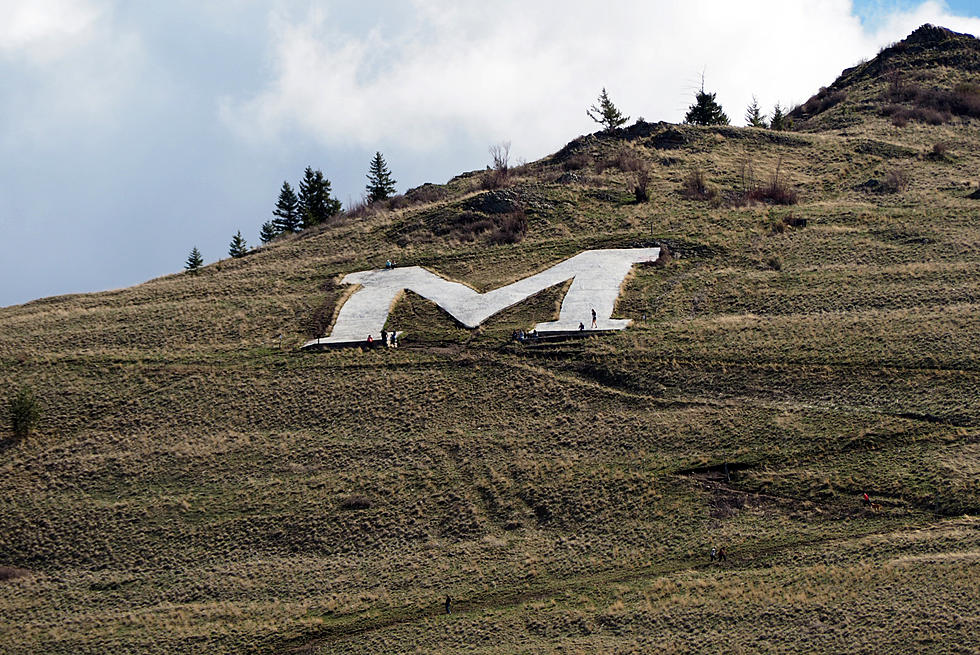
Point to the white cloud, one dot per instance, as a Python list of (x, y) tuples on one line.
[(75, 72), (527, 71), (45, 30)]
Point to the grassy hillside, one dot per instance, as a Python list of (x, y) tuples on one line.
[(193, 488)]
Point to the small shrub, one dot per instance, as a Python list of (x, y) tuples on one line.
[(511, 228), (576, 162), (360, 208), (627, 161), (938, 150), (695, 186), (641, 183), (498, 173), (24, 413), (927, 105), (775, 262), (896, 180), (356, 502), (821, 102), (776, 191)]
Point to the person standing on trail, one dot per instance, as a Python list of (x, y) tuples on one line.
[(449, 605), (722, 554), (384, 338), (594, 324), (714, 554)]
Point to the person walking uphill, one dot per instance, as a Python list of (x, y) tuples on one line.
[(449, 605), (594, 324)]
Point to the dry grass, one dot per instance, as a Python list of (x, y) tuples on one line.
[(192, 487)]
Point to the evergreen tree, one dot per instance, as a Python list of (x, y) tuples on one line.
[(705, 110), (287, 211), (380, 185), (754, 116), (315, 203), (237, 246), (778, 120), (268, 232), (605, 113), (194, 260)]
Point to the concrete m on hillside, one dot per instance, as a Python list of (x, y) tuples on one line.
[(597, 276)]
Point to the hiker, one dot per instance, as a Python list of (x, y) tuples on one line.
[(449, 605), (388, 264), (581, 326), (714, 554), (594, 324), (370, 340), (867, 498), (722, 554), (393, 340), (384, 337)]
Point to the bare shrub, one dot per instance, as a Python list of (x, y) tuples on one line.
[(695, 186), (356, 502), (498, 175), (938, 150), (421, 195), (929, 105), (576, 162), (627, 161), (775, 262), (641, 182), (776, 191), (821, 102), (511, 228), (897, 180), (360, 208), (500, 228), (500, 156)]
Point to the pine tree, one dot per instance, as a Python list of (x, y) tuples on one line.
[(778, 120), (606, 113), (237, 247), (754, 116), (287, 211), (194, 260), (268, 232), (380, 185), (315, 203), (705, 110)]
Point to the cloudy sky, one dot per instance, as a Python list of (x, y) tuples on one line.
[(132, 131)]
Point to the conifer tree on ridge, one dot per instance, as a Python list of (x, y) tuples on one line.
[(287, 214), (606, 113), (237, 247), (705, 110), (315, 203), (380, 184), (754, 116), (194, 260), (268, 232)]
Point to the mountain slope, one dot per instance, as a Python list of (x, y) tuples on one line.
[(193, 487)]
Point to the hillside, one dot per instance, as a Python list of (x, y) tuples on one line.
[(193, 487)]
